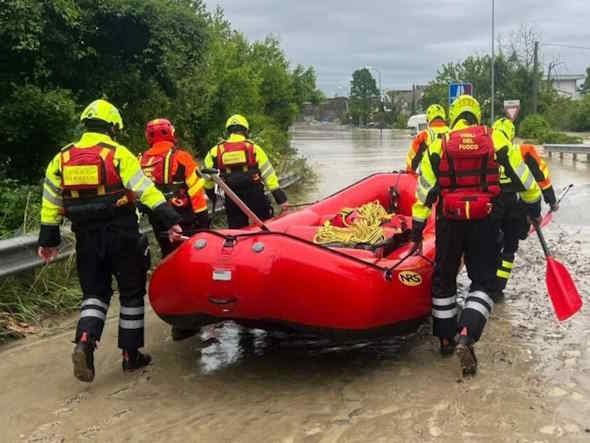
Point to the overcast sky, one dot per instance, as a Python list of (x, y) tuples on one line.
[(406, 40)]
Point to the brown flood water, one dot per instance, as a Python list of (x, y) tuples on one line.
[(251, 386)]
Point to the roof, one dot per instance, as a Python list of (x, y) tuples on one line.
[(559, 77)]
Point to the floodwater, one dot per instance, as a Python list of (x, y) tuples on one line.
[(251, 386)]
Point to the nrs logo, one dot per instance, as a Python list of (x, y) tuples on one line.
[(410, 278)]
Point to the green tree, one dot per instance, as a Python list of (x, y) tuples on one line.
[(363, 96), (586, 85)]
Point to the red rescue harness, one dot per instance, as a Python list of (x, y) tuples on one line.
[(163, 170), (468, 174)]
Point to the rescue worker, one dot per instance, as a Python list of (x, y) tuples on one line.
[(175, 174), (245, 167), (93, 182), (514, 223), (462, 168), (437, 126)]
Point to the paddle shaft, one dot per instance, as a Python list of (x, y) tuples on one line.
[(542, 239), (213, 174)]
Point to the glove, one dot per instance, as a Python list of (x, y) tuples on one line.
[(47, 253), (555, 207), (284, 208), (174, 233)]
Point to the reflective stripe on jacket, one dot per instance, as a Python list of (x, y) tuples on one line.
[(127, 165), (178, 168), (507, 157), (267, 172)]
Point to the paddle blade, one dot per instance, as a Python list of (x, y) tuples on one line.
[(562, 290)]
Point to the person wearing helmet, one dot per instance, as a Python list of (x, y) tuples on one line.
[(94, 182), (462, 171), (514, 223), (175, 174), (245, 167), (437, 126)]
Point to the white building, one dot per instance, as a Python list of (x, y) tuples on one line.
[(567, 84)]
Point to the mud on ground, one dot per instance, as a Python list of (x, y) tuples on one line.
[(533, 384)]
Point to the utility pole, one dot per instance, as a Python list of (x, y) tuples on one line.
[(535, 77), (493, 64), (413, 98)]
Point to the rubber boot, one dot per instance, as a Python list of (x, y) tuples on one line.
[(133, 360), (83, 358), (466, 354), (447, 346)]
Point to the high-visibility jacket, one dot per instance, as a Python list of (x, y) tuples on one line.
[(507, 157), (91, 174), (421, 142), (175, 174), (249, 168), (538, 168)]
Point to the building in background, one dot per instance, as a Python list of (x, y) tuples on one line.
[(568, 85)]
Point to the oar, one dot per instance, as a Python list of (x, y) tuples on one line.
[(562, 290), (549, 216), (213, 174)]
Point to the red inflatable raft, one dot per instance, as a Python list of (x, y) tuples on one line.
[(281, 279)]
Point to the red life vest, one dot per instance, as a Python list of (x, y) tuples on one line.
[(236, 154), (168, 179), (90, 179), (238, 164), (468, 174)]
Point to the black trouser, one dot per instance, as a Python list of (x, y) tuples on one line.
[(255, 199), (104, 251), (477, 242), (190, 223), (515, 227)]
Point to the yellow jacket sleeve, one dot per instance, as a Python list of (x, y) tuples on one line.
[(510, 158), (426, 188), (209, 163), (52, 203), (267, 172), (135, 180)]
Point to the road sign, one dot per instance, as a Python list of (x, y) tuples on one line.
[(457, 89), (512, 108)]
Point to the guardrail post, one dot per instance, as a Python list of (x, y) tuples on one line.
[(561, 155), (588, 158), (575, 156), (550, 153)]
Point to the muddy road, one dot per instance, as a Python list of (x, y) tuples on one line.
[(251, 386)]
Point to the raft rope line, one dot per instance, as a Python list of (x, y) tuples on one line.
[(301, 205), (365, 228), (387, 271)]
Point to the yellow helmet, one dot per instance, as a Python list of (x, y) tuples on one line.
[(435, 111), (464, 103), (237, 120), (102, 110)]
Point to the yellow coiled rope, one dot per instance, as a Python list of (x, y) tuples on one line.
[(366, 228)]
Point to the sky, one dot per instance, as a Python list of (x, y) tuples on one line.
[(407, 40)]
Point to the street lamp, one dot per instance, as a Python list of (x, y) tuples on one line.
[(493, 62)]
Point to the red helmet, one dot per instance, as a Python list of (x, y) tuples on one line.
[(160, 130)]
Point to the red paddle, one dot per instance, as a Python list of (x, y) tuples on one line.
[(549, 216), (560, 286)]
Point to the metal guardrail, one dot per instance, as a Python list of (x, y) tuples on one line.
[(19, 254), (567, 149)]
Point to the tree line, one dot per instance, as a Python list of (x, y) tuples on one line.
[(150, 58)]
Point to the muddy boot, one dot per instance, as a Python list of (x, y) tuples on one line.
[(447, 346), (133, 359), (466, 354), (83, 358), (181, 334)]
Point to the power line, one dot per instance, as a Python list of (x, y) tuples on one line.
[(559, 45)]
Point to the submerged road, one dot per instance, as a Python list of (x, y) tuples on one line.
[(250, 386)]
